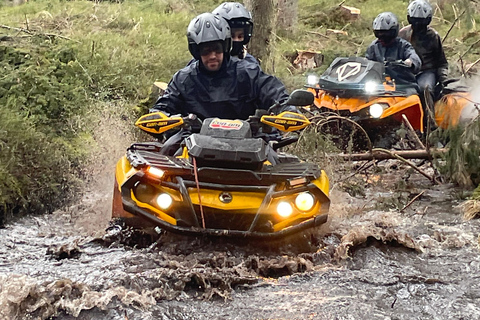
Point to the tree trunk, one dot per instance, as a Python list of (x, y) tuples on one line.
[(264, 18), (287, 15)]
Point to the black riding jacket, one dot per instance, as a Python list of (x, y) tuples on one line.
[(234, 92), (428, 46), (399, 49)]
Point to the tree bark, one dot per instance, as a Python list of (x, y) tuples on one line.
[(287, 15), (264, 19)]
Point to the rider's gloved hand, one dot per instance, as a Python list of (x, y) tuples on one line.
[(408, 62)]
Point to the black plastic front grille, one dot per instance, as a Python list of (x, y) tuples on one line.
[(141, 155)]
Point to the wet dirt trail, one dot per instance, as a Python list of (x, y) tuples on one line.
[(372, 260)]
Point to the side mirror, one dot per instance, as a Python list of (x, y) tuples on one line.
[(300, 98)]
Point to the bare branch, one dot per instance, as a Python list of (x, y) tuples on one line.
[(413, 200), (34, 33), (451, 27)]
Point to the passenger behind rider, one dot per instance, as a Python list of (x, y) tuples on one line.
[(389, 47), (215, 85), (428, 45), (241, 26)]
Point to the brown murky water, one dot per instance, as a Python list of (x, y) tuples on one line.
[(371, 261)]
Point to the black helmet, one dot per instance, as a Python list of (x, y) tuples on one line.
[(208, 27), (385, 26), (419, 13), (237, 16)]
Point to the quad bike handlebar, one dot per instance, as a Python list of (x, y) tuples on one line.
[(396, 63), (158, 122)]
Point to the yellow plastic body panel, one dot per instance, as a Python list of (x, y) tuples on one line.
[(240, 200), (286, 121), (123, 171), (159, 213), (158, 122), (323, 183)]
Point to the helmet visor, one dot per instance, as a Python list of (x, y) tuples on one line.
[(419, 23), (385, 35), (207, 48)]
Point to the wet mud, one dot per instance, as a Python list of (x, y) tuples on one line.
[(379, 256)]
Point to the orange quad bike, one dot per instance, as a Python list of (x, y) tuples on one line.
[(455, 105), (225, 181), (375, 99), (363, 103)]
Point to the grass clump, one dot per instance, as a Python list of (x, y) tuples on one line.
[(36, 172)]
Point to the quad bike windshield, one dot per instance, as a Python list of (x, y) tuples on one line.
[(351, 77), (360, 77), (223, 183)]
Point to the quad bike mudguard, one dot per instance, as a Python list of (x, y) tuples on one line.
[(455, 106)]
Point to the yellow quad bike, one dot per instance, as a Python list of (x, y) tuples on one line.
[(364, 92), (222, 183)]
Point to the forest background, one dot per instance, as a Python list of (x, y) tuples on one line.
[(76, 74)]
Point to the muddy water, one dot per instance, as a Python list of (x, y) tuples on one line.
[(372, 260)]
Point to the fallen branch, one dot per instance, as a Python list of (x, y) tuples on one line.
[(396, 156), (451, 27), (413, 200), (469, 48), (472, 65), (34, 33), (461, 65), (409, 125), (322, 35), (379, 154), (328, 119), (364, 167)]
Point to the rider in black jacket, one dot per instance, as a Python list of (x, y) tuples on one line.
[(427, 44), (389, 47), (215, 85)]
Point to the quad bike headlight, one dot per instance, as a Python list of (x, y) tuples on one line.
[(284, 209), (312, 79), (164, 201), (305, 201), (371, 87), (376, 109)]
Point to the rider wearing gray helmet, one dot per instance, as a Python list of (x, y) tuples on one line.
[(427, 44), (241, 24), (388, 46), (215, 85), (209, 34)]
